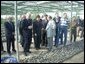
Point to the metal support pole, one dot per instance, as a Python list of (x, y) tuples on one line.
[(16, 30), (37, 8), (71, 16), (34, 10), (77, 11), (71, 9)]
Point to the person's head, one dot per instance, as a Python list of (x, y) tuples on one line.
[(74, 18), (42, 17), (28, 15), (49, 17), (23, 17), (78, 17), (10, 18), (64, 15), (46, 16), (56, 14), (38, 17)]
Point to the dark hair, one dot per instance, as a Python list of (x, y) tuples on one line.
[(50, 17), (45, 15), (38, 16)]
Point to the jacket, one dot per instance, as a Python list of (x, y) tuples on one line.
[(51, 29)]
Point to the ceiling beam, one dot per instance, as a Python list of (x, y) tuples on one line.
[(79, 2)]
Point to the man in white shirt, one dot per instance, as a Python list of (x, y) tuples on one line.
[(50, 28)]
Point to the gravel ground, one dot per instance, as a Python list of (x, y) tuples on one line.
[(79, 58), (56, 55)]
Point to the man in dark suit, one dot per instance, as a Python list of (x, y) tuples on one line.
[(28, 17), (44, 35), (57, 22), (10, 29), (27, 34), (20, 30), (37, 27)]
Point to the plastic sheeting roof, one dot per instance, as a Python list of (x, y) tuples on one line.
[(7, 7)]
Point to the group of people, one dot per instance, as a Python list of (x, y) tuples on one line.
[(42, 30), (80, 27)]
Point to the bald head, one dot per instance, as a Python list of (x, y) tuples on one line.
[(10, 18), (23, 17), (28, 15), (65, 15)]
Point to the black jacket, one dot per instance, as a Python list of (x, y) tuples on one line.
[(44, 23), (20, 27), (25, 24), (37, 26), (58, 19), (9, 28)]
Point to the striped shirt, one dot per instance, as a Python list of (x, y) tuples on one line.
[(63, 22)]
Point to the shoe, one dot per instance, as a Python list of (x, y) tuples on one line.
[(37, 48), (14, 50), (25, 54), (61, 44), (42, 45), (45, 45), (49, 50), (56, 46), (9, 53), (4, 51), (29, 51), (22, 46)]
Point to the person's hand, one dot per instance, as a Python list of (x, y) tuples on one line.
[(42, 29), (29, 27), (35, 34), (45, 30), (13, 33)]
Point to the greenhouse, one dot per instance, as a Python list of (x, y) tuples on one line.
[(19, 9)]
